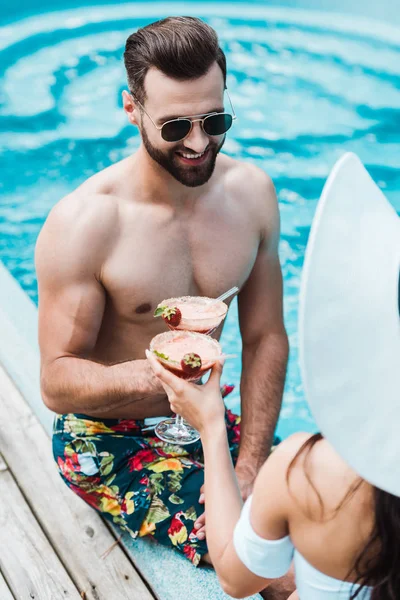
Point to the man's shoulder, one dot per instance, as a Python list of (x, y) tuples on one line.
[(81, 227), (84, 211), (242, 179), (244, 175), (94, 203), (253, 191)]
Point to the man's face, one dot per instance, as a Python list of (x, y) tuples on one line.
[(190, 161)]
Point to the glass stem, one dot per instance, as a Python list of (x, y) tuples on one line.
[(179, 421)]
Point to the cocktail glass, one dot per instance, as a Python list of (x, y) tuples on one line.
[(197, 313), (170, 348)]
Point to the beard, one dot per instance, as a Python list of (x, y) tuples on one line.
[(190, 176)]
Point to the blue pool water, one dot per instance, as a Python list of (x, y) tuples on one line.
[(306, 86)]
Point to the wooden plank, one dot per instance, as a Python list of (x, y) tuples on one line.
[(29, 563), (76, 531), (19, 351), (5, 593)]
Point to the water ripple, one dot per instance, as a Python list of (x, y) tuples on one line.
[(306, 86)]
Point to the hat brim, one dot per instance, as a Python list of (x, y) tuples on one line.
[(349, 326)]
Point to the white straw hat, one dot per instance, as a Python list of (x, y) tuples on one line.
[(349, 323)]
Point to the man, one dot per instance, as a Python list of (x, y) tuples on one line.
[(175, 218)]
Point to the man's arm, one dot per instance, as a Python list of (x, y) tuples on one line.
[(265, 342), (69, 255)]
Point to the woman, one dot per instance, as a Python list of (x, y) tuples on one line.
[(329, 503)]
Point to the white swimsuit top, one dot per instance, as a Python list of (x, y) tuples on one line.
[(272, 558)]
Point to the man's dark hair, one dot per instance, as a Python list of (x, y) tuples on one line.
[(180, 47)]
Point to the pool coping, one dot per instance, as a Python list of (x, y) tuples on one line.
[(19, 349)]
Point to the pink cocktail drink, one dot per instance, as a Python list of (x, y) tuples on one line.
[(187, 354), (192, 313)]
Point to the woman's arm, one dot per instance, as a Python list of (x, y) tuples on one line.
[(203, 408), (224, 505), (270, 508)]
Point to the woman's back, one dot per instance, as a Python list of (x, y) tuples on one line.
[(332, 513), (329, 513)]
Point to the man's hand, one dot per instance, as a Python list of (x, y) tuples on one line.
[(246, 483)]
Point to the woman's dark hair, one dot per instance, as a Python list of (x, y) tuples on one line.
[(181, 47), (380, 570)]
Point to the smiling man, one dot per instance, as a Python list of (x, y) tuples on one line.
[(175, 218)]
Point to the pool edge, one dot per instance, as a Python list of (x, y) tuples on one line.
[(19, 350)]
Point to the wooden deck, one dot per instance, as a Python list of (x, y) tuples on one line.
[(52, 545)]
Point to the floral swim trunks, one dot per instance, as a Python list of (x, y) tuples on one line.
[(135, 480)]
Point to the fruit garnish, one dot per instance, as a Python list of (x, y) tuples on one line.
[(161, 355), (191, 363), (172, 316), (159, 311)]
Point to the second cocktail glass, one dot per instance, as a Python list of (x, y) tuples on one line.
[(192, 313)]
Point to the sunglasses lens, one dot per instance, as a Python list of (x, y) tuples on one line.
[(175, 130), (217, 124)]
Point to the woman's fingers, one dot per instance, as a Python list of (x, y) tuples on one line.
[(166, 377), (216, 372), (157, 370)]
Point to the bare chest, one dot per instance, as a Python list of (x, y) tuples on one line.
[(155, 259)]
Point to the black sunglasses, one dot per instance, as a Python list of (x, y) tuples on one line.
[(178, 129)]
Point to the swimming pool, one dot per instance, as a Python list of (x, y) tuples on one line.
[(306, 88)]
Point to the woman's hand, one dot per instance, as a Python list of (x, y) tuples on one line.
[(200, 405)]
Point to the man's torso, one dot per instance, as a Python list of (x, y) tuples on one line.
[(158, 251), (158, 254)]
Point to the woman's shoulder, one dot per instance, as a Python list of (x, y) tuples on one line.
[(305, 450), (305, 482), (310, 473)]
